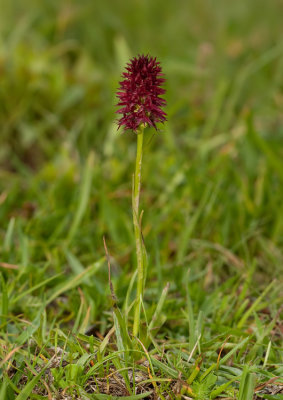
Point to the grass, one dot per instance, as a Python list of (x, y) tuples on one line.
[(211, 321)]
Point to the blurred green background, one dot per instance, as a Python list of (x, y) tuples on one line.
[(61, 61), (212, 176)]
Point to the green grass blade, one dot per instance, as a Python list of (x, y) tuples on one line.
[(3, 388), (225, 358), (222, 388), (4, 302), (84, 197), (272, 158), (75, 280), (35, 287), (254, 305), (247, 385), (9, 235), (159, 307), (26, 391), (26, 334)]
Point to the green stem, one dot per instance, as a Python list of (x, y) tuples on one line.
[(137, 228)]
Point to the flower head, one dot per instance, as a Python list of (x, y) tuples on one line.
[(139, 94)]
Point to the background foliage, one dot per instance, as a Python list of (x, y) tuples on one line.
[(212, 176)]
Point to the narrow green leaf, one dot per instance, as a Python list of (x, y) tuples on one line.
[(26, 391), (9, 234), (225, 358), (5, 301), (163, 367), (254, 305), (247, 385), (84, 197), (222, 388), (75, 280), (35, 287), (190, 226), (26, 334), (3, 389), (190, 316), (274, 161), (159, 307)]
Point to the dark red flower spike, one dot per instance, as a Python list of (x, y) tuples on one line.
[(139, 94)]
